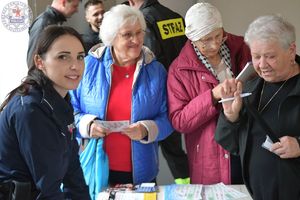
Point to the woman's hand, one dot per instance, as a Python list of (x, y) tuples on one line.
[(217, 91), (136, 131), (230, 88), (96, 130), (288, 147)]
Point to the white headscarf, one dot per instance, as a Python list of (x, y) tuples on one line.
[(201, 19)]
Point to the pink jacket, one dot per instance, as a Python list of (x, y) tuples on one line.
[(192, 112)]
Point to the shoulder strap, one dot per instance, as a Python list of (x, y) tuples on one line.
[(261, 121)]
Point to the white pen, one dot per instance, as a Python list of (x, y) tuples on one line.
[(232, 98)]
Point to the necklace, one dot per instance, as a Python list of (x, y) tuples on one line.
[(260, 110)]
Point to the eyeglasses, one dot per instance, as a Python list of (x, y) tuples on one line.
[(208, 43), (130, 35)]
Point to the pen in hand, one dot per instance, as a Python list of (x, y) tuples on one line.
[(232, 98)]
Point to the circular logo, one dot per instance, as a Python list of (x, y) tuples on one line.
[(16, 16)]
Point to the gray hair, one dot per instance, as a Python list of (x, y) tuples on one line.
[(271, 28), (115, 18)]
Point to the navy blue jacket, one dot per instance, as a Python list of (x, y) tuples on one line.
[(90, 38), (37, 145)]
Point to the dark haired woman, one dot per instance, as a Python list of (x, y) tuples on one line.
[(37, 149)]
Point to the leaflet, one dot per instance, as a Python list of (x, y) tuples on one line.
[(221, 192), (113, 126), (183, 192), (247, 73)]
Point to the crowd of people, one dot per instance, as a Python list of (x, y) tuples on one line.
[(99, 104)]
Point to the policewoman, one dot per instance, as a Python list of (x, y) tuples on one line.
[(38, 150)]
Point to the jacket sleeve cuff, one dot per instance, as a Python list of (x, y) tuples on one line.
[(84, 125), (152, 130)]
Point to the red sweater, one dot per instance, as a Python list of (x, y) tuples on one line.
[(117, 145)]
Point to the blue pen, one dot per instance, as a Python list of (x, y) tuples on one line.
[(232, 98)]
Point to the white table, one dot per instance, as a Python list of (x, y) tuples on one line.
[(241, 188), (161, 194)]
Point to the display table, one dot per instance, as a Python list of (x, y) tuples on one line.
[(218, 191), (241, 188)]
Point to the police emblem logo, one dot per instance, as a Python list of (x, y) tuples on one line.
[(16, 16)]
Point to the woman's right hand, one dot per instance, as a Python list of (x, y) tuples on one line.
[(216, 91), (97, 131), (232, 109)]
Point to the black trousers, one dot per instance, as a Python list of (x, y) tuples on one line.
[(236, 170), (118, 177), (175, 156)]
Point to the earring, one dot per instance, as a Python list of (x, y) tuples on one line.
[(293, 62)]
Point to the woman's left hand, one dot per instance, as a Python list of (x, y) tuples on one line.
[(136, 131), (288, 147)]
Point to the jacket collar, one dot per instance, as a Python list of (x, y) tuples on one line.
[(56, 14), (55, 103), (254, 86), (189, 60), (297, 59), (99, 50), (148, 3), (90, 31)]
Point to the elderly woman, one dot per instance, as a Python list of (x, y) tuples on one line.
[(123, 81), (271, 172), (208, 58)]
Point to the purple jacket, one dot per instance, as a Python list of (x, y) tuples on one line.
[(192, 112)]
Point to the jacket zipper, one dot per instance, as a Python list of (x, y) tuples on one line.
[(132, 162), (108, 95), (106, 108)]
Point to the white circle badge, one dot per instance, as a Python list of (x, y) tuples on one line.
[(16, 16)]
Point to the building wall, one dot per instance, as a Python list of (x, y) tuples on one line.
[(237, 14)]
